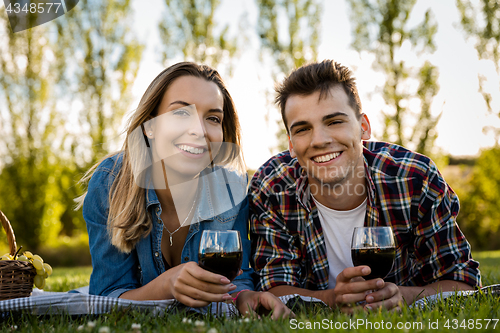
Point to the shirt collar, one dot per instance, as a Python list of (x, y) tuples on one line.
[(213, 194)]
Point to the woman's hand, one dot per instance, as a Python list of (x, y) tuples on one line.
[(196, 287), (249, 303)]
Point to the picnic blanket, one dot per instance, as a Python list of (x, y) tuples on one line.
[(80, 302)]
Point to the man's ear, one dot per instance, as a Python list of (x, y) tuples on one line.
[(366, 129), (290, 148)]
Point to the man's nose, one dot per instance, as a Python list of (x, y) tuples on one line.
[(320, 138)]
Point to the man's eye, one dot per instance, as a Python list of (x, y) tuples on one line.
[(300, 130), (335, 122)]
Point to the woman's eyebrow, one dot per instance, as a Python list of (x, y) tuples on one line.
[(180, 102)]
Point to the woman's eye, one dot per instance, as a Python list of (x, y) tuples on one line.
[(181, 112), (215, 119)]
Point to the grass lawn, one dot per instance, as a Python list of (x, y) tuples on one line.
[(457, 315)]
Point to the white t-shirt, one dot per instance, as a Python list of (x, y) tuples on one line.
[(338, 226)]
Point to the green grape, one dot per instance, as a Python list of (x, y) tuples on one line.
[(38, 264), (48, 269), (28, 254), (36, 256), (6, 257), (22, 258), (40, 271), (39, 282)]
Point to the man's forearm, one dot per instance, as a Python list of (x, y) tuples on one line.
[(411, 294)]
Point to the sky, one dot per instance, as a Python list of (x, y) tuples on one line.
[(464, 111)]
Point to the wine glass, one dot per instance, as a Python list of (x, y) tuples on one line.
[(373, 247), (221, 253)]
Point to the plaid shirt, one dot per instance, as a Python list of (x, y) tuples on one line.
[(405, 191)]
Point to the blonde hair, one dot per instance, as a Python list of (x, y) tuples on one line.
[(128, 219)]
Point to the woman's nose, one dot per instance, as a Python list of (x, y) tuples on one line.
[(196, 127)]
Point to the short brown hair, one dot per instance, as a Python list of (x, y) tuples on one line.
[(320, 76)]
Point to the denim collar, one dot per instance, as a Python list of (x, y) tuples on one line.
[(218, 192)]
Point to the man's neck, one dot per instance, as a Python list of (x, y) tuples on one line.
[(344, 196)]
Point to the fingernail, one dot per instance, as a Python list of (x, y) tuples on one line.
[(368, 307), (370, 299), (380, 283), (226, 296), (365, 271), (225, 280), (232, 286)]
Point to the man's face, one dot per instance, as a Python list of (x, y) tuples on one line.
[(326, 137)]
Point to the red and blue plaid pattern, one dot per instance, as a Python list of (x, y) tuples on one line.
[(405, 191)]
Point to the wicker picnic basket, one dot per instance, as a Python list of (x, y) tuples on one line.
[(16, 277)]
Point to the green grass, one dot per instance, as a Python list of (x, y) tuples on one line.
[(459, 314), (67, 278)]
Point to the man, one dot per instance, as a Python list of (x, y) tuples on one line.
[(306, 202)]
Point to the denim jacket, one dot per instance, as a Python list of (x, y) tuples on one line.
[(115, 272)]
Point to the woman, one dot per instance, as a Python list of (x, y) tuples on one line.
[(179, 173)]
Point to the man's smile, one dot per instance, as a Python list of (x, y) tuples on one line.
[(326, 157)]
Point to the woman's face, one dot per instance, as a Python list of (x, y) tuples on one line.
[(187, 133)]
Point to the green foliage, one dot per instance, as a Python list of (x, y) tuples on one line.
[(381, 27), (65, 88), (481, 21), (479, 195), (101, 60), (190, 28), (27, 123), (293, 47), (67, 251)]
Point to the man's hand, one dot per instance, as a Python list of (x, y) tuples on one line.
[(250, 302), (352, 292)]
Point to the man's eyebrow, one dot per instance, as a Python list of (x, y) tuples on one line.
[(336, 114), (299, 123), (187, 104), (328, 116)]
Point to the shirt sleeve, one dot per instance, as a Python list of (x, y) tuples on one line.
[(113, 272), (245, 280), (276, 257), (441, 250)]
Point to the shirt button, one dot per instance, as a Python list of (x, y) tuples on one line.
[(157, 209), (156, 254), (186, 258)]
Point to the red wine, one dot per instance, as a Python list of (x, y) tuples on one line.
[(227, 264), (380, 260)]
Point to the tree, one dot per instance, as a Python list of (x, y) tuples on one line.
[(27, 123), (479, 193), (101, 60), (380, 27), (295, 48), (481, 21), (189, 29)]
